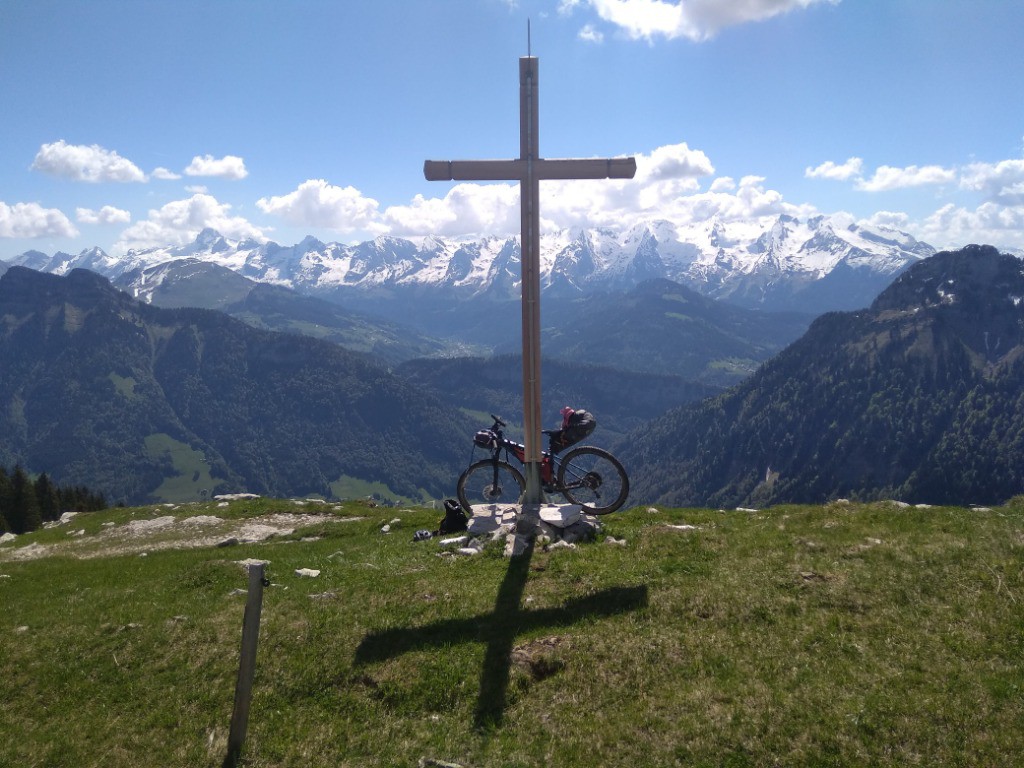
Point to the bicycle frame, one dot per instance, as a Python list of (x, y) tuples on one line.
[(512, 449), (585, 475)]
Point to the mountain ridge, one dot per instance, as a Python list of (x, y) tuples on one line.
[(770, 263), (145, 403), (918, 396)]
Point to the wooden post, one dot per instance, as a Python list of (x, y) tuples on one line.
[(247, 665)]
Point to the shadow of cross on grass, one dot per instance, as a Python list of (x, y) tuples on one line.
[(498, 629)]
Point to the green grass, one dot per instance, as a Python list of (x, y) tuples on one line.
[(193, 471), (797, 636)]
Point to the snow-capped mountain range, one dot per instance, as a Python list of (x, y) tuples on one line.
[(826, 262)]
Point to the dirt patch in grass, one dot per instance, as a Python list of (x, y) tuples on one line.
[(161, 531)]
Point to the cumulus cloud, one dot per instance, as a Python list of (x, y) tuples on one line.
[(887, 178), (695, 20), (591, 35), (829, 170), (85, 163), (674, 161), (666, 186), (227, 167), (108, 214), (891, 219), (467, 209), (178, 223), (165, 174), (953, 227), (1001, 182), (315, 203), (32, 220)]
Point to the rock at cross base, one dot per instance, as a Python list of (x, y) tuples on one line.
[(488, 518), (561, 515)]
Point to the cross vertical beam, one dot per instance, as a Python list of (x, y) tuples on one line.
[(529, 169), (530, 264)]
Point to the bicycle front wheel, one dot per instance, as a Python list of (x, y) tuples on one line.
[(593, 478), (490, 482)]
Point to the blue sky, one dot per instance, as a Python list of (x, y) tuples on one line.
[(133, 123)]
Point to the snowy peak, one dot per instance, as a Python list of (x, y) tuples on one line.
[(773, 262)]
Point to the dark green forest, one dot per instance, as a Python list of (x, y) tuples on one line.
[(920, 397), (26, 504), (149, 403)]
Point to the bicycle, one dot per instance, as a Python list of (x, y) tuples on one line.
[(585, 475)]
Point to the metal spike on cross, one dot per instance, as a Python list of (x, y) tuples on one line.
[(529, 169)]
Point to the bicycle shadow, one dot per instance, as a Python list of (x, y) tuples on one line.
[(498, 629)]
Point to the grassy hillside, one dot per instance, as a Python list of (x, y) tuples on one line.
[(798, 636)]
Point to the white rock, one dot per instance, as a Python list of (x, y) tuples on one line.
[(516, 545), (7, 537), (386, 528), (653, 510), (309, 573), (683, 527), (450, 542), (746, 509), (561, 545), (560, 515)]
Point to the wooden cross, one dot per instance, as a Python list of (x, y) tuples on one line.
[(528, 170)]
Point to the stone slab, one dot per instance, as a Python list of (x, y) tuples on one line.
[(561, 515), (488, 518)]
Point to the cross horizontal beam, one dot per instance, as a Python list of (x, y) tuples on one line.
[(517, 170)]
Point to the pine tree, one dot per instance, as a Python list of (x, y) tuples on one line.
[(46, 495), (5, 501), (24, 505)]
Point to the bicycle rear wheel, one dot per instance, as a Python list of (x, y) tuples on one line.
[(593, 478), (490, 482)]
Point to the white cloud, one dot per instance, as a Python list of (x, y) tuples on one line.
[(165, 174), (692, 19), (591, 35), (673, 161), (82, 163), (315, 203), (32, 220), (892, 219), (227, 167), (467, 209), (178, 223), (888, 178), (197, 189), (829, 170), (666, 186), (991, 224), (1002, 182), (108, 214)]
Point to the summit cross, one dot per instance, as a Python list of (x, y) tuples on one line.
[(529, 169)]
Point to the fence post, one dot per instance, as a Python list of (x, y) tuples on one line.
[(247, 664)]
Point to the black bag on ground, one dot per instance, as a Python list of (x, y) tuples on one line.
[(576, 427), (454, 519)]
